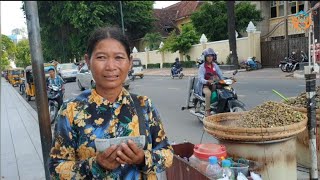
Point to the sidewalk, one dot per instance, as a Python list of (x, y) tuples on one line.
[(21, 152)]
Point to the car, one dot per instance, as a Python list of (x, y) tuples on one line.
[(137, 67), (85, 80), (67, 71)]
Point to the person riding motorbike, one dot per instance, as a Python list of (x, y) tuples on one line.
[(176, 67), (205, 80), (56, 80)]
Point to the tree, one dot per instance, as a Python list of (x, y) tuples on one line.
[(8, 46), (182, 42), (23, 56), (66, 25), (211, 19), (152, 40), (231, 32), (7, 51)]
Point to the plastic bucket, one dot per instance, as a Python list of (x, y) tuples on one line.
[(239, 167), (204, 151)]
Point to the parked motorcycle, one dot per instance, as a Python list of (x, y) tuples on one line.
[(54, 101), (176, 72), (227, 99), (130, 75), (291, 64), (251, 64)]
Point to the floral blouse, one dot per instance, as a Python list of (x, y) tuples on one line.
[(89, 116)]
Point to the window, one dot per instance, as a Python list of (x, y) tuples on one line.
[(301, 5), (293, 7), (273, 6)]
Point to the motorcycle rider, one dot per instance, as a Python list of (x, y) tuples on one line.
[(56, 80), (176, 66), (205, 81)]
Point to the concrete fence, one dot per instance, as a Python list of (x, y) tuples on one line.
[(246, 47)]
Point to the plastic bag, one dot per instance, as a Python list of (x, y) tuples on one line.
[(255, 176), (241, 176)]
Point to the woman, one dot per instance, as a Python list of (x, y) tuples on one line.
[(108, 111), (208, 72)]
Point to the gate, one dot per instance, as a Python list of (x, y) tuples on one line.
[(272, 52)]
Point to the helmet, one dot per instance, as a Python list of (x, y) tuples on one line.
[(177, 59), (50, 68), (208, 52)]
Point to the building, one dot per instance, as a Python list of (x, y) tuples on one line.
[(171, 18), (273, 30), (17, 35)]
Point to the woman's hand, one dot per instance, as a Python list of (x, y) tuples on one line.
[(130, 154), (107, 159)]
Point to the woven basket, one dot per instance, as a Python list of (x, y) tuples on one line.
[(220, 126), (304, 110)]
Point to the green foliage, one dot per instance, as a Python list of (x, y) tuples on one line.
[(8, 46), (66, 25), (152, 40), (167, 65), (154, 66), (188, 64), (182, 42), (8, 50), (169, 42), (212, 19), (23, 56), (4, 64), (228, 60), (246, 12)]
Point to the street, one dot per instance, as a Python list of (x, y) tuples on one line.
[(169, 95)]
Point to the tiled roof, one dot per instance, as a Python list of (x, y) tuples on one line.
[(167, 17)]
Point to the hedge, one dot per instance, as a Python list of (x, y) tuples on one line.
[(185, 64)]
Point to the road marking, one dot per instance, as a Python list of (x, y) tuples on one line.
[(240, 95), (137, 85), (302, 85), (75, 94), (174, 88)]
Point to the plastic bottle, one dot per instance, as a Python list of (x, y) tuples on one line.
[(226, 164), (213, 171)]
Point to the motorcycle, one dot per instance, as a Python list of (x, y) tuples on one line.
[(130, 75), (54, 97), (290, 64), (251, 64), (227, 99), (176, 72), (22, 87)]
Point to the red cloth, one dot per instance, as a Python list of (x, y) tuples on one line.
[(209, 70)]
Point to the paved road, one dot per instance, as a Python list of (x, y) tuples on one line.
[(169, 95)]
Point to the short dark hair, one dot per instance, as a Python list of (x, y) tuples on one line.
[(102, 33)]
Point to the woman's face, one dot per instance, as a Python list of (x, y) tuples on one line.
[(209, 59), (109, 64)]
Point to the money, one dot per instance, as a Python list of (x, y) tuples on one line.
[(103, 144)]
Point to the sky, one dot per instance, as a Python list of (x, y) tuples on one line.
[(12, 16)]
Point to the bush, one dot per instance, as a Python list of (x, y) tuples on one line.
[(153, 66), (188, 64), (167, 65), (228, 61)]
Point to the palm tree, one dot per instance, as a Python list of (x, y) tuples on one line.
[(231, 32), (152, 40)]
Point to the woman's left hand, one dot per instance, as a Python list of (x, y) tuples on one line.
[(130, 154)]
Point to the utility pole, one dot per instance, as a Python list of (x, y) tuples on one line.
[(286, 3), (39, 79), (121, 17), (310, 76)]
